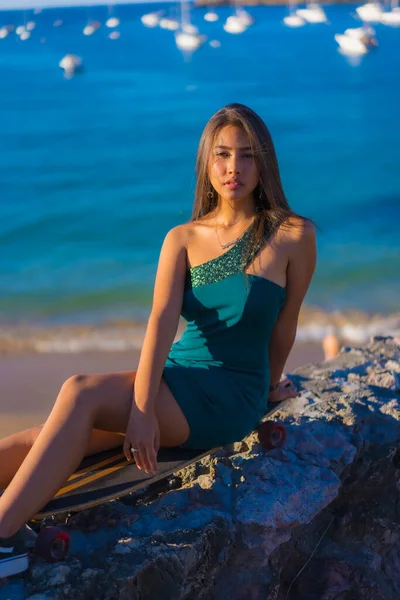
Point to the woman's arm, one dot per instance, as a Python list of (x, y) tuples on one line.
[(300, 269), (164, 318)]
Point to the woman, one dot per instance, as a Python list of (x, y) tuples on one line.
[(238, 272)]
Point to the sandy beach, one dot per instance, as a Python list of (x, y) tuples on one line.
[(29, 383)]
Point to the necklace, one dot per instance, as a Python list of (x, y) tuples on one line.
[(228, 244)]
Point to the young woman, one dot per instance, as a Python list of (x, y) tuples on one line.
[(238, 273)]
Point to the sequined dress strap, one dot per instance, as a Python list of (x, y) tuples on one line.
[(235, 260)]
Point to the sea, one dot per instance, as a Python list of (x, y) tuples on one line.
[(95, 169)]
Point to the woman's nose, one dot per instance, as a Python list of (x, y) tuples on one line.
[(234, 166)]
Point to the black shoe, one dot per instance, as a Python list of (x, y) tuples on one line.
[(13, 556)]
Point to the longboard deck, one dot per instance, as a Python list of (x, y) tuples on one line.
[(108, 475)]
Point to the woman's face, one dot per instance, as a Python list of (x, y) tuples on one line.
[(232, 169)]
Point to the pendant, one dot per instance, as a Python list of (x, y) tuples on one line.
[(228, 244)]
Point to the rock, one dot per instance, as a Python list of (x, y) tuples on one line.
[(317, 519)]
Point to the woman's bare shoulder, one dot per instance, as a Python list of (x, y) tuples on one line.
[(178, 235), (192, 230), (298, 231)]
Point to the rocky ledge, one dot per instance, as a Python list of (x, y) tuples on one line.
[(317, 519)]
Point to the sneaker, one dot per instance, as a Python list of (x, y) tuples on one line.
[(13, 556)]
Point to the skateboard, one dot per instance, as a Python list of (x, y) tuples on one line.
[(108, 475)]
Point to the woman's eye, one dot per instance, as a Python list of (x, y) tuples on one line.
[(222, 154), (249, 155)]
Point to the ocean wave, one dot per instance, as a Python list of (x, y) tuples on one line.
[(351, 327)]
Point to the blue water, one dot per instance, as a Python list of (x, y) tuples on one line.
[(94, 170)]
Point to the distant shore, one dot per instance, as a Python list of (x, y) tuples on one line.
[(262, 2), (45, 4)]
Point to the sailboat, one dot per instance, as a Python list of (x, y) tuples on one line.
[(211, 16), (357, 40), (24, 31), (169, 22), (370, 12), (187, 38), (239, 21), (234, 25), (111, 20), (313, 13), (91, 28), (293, 19), (392, 17), (152, 19), (350, 45), (71, 64)]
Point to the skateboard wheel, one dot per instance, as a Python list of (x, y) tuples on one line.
[(271, 435), (52, 544)]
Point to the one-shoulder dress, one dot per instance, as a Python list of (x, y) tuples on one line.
[(219, 370)]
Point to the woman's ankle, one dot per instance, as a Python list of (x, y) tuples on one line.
[(7, 532)]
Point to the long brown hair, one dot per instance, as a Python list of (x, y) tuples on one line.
[(272, 208)]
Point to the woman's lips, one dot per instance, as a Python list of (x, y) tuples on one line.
[(233, 185)]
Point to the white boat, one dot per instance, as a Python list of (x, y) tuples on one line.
[(188, 38), (370, 12), (112, 22), (188, 41), (234, 25), (350, 45), (57, 23), (357, 40), (293, 19), (114, 35), (91, 28), (170, 24), (20, 29), (238, 22), (30, 26), (313, 13), (211, 16), (391, 17), (3, 33), (152, 19), (71, 64)]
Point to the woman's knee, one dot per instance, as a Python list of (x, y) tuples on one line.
[(76, 390)]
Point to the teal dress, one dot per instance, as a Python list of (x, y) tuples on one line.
[(219, 370)]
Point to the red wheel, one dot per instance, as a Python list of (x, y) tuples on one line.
[(271, 435), (52, 544)]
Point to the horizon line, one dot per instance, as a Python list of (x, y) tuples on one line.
[(46, 4)]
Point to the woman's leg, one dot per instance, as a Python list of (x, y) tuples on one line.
[(14, 449), (83, 404)]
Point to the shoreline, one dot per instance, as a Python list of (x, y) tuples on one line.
[(29, 383), (122, 335)]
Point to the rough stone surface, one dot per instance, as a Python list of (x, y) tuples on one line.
[(317, 519)]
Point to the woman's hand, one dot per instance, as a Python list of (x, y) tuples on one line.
[(143, 434), (286, 390)]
